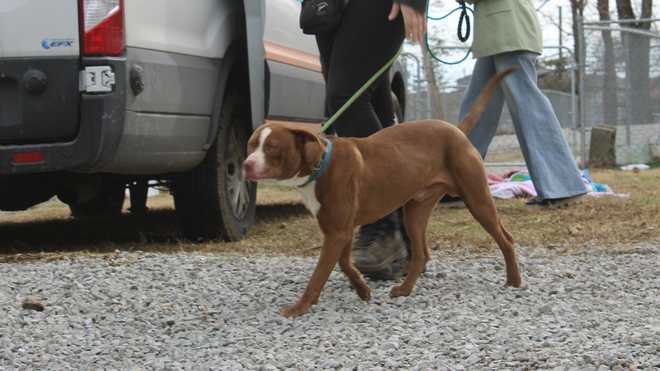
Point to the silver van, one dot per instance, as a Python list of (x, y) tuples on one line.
[(98, 95)]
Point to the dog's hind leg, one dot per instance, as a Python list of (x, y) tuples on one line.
[(354, 275), (415, 218), (483, 209), (427, 248)]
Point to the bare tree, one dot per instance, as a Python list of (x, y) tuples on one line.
[(609, 92), (433, 88), (577, 8), (637, 62)]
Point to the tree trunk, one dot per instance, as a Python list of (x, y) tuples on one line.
[(637, 63), (577, 8), (647, 12), (433, 90), (625, 10), (609, 93)]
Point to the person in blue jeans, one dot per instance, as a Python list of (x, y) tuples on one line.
[(508, 34)]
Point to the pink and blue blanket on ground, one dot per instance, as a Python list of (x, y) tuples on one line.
[(519, 184)]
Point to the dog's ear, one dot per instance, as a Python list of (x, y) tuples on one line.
[(311, 148)]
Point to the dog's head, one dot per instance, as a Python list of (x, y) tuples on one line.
[(281, 152)]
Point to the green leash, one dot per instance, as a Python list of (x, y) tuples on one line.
[(358, 93)]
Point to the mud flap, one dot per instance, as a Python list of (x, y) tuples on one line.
[(255, 15)]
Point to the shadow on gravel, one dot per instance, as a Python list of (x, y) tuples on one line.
[(158, 230)]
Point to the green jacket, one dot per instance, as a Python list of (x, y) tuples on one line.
[(502, 26)]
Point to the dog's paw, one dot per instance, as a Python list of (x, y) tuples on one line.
[(399, 291), (364, 293), (294, 310), (517, 283)]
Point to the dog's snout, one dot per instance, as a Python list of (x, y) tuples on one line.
[(248, 165)]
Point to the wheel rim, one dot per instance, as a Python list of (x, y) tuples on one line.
[(238, 189)]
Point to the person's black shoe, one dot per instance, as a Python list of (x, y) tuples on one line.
[(381, 250), (555, 202), (448, 199)]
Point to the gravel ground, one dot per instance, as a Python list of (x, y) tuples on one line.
[(194, 311)]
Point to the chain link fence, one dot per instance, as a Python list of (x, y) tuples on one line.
[(620, 82), (558, 82), (614, 81)]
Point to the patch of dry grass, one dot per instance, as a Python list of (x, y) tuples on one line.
[(285, 228)]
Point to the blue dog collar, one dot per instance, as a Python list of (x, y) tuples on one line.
[(322, 166)]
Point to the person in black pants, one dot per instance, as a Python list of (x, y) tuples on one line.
[(370, 33)]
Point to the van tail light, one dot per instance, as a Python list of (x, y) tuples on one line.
[(23, 158), (102, 27)]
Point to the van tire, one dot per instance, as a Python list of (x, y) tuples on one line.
[(212, 201)]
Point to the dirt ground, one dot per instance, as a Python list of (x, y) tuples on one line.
[(285, 228)]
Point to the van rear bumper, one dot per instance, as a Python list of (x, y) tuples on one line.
[(101, 125)]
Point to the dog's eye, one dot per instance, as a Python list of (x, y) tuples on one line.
[(271, 150)]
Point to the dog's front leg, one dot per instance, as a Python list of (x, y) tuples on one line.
[(330, 253), (353, 274)]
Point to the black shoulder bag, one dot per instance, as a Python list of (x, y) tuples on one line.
[(321, 16)]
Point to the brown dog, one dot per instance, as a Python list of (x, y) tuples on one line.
[(347, 182)]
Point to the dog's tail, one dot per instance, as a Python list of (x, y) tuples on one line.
[(482, 102)]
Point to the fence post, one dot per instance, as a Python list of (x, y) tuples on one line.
[(581, 55), (574, 109)]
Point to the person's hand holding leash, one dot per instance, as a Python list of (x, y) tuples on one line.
[(415, 22)]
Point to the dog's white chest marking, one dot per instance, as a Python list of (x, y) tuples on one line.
[(307, 192)]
